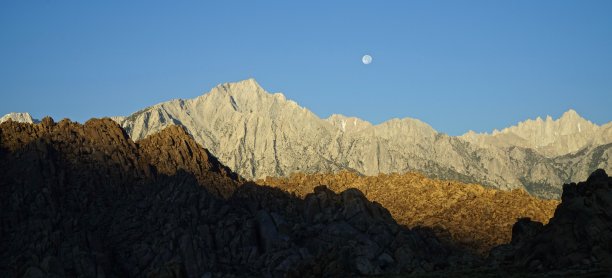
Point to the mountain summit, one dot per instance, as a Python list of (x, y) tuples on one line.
[(260, 134), (18, 117), (348, 124), (568, 134)]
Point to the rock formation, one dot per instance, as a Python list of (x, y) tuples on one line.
[(104, 142), (578, 236), (468, 214), (18, 117), (85, 200), (258, 134), (348, 124)]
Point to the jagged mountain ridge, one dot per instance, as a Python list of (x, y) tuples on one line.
[(258, 134), (568, 134)]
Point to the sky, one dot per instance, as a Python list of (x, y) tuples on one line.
[(456, 65)]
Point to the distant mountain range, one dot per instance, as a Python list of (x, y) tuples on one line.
[(259, 134), (569, 134)]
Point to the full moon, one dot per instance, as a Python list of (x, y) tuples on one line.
[(366, 59)]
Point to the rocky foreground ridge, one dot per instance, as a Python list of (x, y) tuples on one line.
[(470, 215), (578, 236), (259, 134), (86, 200)]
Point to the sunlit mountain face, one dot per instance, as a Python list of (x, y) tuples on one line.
[(260, 134)]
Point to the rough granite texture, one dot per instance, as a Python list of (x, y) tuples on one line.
[(549, 137), (578, 236), (467, 214), (86, 201), (258, 134)]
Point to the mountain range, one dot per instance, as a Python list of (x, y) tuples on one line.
[(259, 134), (85, 200)]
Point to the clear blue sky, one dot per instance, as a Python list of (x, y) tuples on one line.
[(457, 65)]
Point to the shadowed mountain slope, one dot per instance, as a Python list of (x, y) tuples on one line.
[(103, 141)]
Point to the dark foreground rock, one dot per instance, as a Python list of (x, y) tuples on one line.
[(579, 236), (85, 200)]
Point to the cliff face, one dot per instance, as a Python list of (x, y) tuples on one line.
[(85, 200), (467, 214), (258, 134)]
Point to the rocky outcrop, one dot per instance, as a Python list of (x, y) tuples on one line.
[(265, 232), (103, 142), (578, 236), (173, 150), (258, 134), (348, 124), (467, 214), (85, 200)]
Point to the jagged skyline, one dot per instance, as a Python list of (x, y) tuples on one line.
[(455, 66), (339, 119), (258, 134)]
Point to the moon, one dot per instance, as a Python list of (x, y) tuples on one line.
[(366, 59)]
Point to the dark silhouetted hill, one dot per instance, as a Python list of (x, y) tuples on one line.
[(579, 236)]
